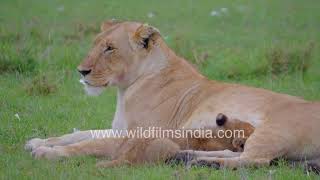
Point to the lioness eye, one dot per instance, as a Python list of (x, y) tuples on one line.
[(108, 49)]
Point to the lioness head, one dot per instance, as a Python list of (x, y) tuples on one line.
[(121, 53)]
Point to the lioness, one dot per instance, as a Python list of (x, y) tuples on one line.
[(157, 88), (152, 150)]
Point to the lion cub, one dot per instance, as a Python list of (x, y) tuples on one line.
[(229, 134)]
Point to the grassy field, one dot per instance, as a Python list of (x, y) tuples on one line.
[(272, 44)]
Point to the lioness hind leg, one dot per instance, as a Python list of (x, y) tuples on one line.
[(224, 153), (97, 147), (261, 147), (233, 162), (185, 156)]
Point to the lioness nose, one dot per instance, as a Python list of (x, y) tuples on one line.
[(84, 72)]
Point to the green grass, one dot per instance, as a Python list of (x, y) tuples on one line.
[(271, 44)]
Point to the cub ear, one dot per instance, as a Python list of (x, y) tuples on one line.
[(145, 35), (107, 24), (221, 119)]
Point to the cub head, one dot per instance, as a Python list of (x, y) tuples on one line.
[(237, 130), (119, 55)]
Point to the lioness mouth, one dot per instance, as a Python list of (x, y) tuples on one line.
[(84, 82)]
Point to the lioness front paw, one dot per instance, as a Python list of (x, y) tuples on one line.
[(46, 153), (34, 143)]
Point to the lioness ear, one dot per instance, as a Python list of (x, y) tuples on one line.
[(107, 24), (221, 119), (145, 35)]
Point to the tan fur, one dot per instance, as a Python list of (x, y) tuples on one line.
[(156, 88)]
